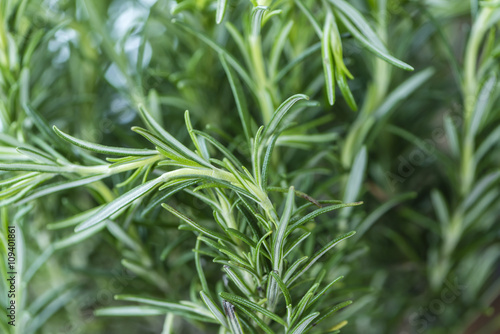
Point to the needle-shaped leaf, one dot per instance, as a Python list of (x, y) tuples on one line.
[(173, 143), (369, 220), (194, 139), (216, 311), (232, 316), (267, 160), (42, 125), (302, 325), (293, 268), (486, 94), (310, 17), (28, 167), (336, 308), (36, 155), (452, 136), (408, 87), (231, 60), (241, 236), (221, 10), (102, 148), (242, 302), (198, 313), (220, 147), (238, 281), (283, 287), (356, 176), (257, 14), (327, 59), (301, 306), (172, 189), (318, 212), (295, 243), (79, 236), (318, 255), (60, 186), (258, 321), (362, 31), (239, 98), (165, 149), (73, 220), (324, 291), (119, 203), (282, 110), (214, 234), (279, 237), (129, 311)]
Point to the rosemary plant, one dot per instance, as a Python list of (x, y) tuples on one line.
[(221, 219)]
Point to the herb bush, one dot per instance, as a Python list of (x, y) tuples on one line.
[(133, 215)]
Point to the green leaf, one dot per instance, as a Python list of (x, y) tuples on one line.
[(192, 134), (164, 149), (129, 311), (73, 220), (81, 235), (278, 47), (36, 156), (324, 291), (252, 306), (319, 254), (280, 235), (234, 321), (221, 10), (216, 311), (291, 64), (196, 226), (267, 160), (291, 270), (302, 325), (481, 110), (220, 147), (452, 136), (301, 306), (231, 60), (356, 176), (197, 313), (366, 223), (42, 125), (327, 61), (238, 235), (173, 143), (171, 191), (64, 185), (49, 310), (283, 287), (119, 203), (310, 17), (333, 310), (281, 112), (257, 14), (402, 92), (102, 148), (480, 188), (440, 207), (361, 30), (258, 321), (28, 167), (239, 97), (318, 212), (238, 281), (295, 243)]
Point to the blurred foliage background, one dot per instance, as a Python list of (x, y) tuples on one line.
[(421, 151)]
